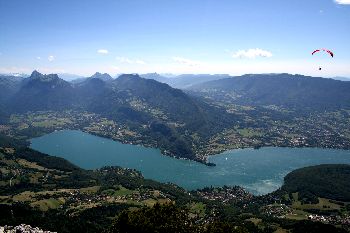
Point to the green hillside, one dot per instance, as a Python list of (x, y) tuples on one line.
[(327, 181)]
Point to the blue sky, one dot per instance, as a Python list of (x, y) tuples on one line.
[(182, 36)]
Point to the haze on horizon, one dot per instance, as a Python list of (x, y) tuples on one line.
[(197, 36)]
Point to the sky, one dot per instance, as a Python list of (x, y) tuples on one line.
[(167, 36)]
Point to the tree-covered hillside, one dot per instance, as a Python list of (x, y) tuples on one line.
[(327, 181), (291, 91), (165, 117)]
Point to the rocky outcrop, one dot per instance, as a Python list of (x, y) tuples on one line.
[(22, 229)]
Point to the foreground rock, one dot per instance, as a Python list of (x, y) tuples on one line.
[(22, 229)]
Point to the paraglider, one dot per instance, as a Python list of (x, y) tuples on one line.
[(325, 50)]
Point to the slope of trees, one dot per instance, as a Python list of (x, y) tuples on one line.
[(168, 218), (328, 181)]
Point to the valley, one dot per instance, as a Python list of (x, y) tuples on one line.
[(193, 124), (254, 128)]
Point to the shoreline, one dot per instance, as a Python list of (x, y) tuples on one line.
[(201, 159)]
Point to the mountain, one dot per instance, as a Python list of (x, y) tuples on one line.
[(292, 91), (18, 75), (104, 77), (342, 79), (184, 81), (9, 85), (175, 104), (89, 91), (69, 77), (78, 80), (167, 115), (163, 116), (155, 76), (3, 114), (43, 92)]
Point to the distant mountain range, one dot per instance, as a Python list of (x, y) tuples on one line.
[(342, 79), (69, 77), (177, 121), (291, 91), (21, 75), (146, 105), (181, 81), (79, 79), (9, 85), (184, 80), (187, 81)]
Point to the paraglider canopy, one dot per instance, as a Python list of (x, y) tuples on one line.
[(326, 50)]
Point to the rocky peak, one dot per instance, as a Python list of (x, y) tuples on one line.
[(45, 78), (128, 76), (104, 77)]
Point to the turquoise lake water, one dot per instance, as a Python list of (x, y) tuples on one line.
[(259, 171)]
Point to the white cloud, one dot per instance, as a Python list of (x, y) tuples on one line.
[(51, 58), (39, 58), (342, 2), (130, 61), (252, 53), (102, 51), (186, 61)]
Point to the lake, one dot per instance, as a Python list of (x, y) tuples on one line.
[(259, 171)]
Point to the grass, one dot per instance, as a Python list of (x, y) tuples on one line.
[(198, 208), (34, 178), (50, 123), (297, 215), (248, 132), (28, 164), (295, 196), (3, 183), (92, 189), (256, 221), (24, 196), (149, 202), (122, 191), (119, 191), (281, 230), (47, 204), (22, 126), (108, 192), (323, 202)]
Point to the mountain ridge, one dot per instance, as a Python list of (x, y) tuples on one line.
[(205, 119), (296, 91), (167, 117)]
